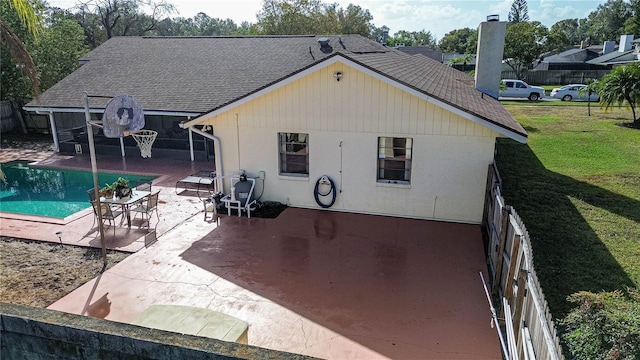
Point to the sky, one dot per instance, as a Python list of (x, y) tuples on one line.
[(436, 16)]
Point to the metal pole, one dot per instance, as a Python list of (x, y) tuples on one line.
[(505, 350), (94, 170)]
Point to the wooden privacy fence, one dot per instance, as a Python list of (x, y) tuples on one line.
[(557, 77), (527, 325)]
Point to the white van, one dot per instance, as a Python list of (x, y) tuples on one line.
[(520, 89)]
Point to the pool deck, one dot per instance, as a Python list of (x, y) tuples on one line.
[(314, 282)]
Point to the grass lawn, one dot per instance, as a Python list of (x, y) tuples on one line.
[(576, 185)]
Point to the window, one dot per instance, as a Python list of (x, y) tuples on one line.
[(294, 153), (394, 159)]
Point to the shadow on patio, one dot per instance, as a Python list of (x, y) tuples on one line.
[(402, 288)]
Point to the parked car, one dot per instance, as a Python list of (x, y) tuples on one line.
[(572, 92), (520, 89)]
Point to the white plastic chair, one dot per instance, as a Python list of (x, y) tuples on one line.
[(241, 196)]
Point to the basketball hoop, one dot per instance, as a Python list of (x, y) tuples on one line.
[(145, 139)]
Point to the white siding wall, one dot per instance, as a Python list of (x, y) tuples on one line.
[(343, 120)]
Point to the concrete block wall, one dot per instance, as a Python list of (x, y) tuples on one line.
[(33, 333)]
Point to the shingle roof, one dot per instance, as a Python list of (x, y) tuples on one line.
[(422, 50), (199, 74), (614, 57), (572, 56)]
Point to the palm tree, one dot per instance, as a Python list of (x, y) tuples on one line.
[(26, 10), (591, 88), (620, 86)]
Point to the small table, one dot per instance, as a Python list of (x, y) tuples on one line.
[(136, 195)]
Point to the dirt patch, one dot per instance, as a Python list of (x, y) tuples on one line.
[(38, 274)]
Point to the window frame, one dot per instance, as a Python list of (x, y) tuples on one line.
[(394, 154), (285, 140)]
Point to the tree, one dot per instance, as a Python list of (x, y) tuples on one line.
[(632, 24), (607, 22), (412, 38), (460, 41), (622, 86), (289, 17), (29, 13), (604, 325), (568, 29), (57, 52), (104, 19), (590, 89), (307, 17), (352, 20), (59, 45), (519, 11), (523, 43)]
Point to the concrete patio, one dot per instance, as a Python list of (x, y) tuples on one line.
[(320, 283)]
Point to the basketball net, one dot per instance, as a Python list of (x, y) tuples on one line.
[(145, 139)]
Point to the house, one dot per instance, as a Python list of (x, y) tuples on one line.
[(396, 134), (628, 51), (572, 59)]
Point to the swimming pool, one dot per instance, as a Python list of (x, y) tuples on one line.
[(58, 193)]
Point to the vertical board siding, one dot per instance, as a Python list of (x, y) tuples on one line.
[(450, 152), (357, 103)]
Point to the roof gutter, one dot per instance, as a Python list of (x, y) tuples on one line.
[(38, 109)]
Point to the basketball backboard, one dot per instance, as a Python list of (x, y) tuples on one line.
[(123, 114)]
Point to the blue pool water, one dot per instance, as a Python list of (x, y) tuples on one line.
[(58, 193)]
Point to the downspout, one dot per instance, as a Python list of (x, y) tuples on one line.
[(54, 130), (191, 144), (217, 157)]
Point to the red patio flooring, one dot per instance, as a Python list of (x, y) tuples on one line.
[(320, 283)]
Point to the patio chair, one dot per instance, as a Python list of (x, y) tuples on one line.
[(148, 207), (92, 197), (143, 185), (108, 214), (241, 197)]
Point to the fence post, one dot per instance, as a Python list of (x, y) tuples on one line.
[(495, 286), (519, 303), (508, 288)]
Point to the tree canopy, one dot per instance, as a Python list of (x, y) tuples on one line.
[(607, 22), (519, 11), (523, 43), (460, 41), (412, 38), (20, 20), (312, 17)]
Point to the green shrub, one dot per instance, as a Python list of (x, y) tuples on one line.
[(604, 325)]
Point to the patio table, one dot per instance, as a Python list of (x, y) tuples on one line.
[(136, 195)]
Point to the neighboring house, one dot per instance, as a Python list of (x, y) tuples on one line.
[(573, 59), (398, 135), (628, 51)]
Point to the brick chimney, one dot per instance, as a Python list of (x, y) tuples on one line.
[(489, 55)]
